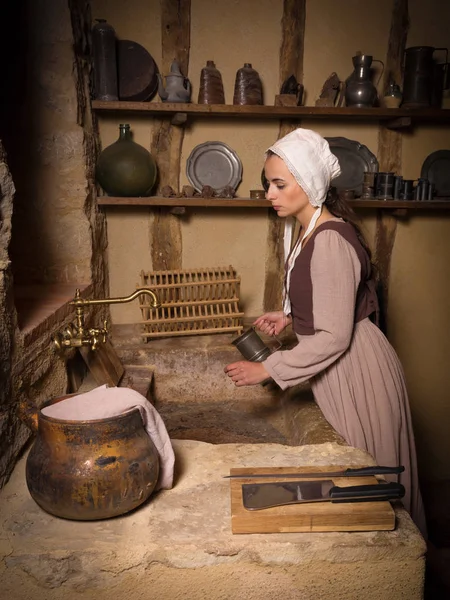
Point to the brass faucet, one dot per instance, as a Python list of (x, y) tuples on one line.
[(77, 335)]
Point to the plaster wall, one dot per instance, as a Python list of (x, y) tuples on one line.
[(234, 32), (419, 316)]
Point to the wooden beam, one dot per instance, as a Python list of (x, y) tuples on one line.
[(390, 153), (291, 63), (166, 245)]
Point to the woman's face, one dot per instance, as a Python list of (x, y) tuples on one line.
[(287, 197)]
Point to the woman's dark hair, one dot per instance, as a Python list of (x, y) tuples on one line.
[(341, 208)]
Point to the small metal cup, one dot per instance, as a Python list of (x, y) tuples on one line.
[(385, 186), (398, 186), (251, 346), (408, 189)]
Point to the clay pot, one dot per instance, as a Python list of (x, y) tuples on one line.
[(211, 85), (125, 168), (248, 86), (87, 470)]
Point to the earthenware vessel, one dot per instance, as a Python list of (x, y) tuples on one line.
[(211, 85), (248, 86), (88, 470)]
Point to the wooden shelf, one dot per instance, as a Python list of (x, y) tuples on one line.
[(274, 112), (441, 204), (250, 203)]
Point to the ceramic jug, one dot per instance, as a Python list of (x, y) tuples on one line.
[(87, 470), (125, 168), (360, 92), (211, 85), (247, 86), (178, 87)]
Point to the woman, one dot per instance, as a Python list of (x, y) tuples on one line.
[(329, 299)]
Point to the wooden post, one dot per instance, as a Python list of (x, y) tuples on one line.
[(166, 246), (390, 153), (291, 63)]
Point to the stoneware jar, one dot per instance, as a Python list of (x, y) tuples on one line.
[(248, 86), (211, 85)]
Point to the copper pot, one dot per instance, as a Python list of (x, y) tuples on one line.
[(87, 470)]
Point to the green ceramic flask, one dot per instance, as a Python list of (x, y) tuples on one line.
[(125, 168)]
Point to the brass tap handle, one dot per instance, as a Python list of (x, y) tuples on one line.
[(95, 333), (94, 341), (105, 331), (57, 341)]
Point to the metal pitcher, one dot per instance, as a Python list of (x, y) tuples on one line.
[(424, 78), (360, 92)]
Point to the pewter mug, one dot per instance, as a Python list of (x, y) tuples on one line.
[(251, 346)]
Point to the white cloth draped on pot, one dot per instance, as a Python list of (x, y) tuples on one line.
[(309, 159), (104, 402)]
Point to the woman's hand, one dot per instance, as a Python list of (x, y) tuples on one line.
[(273, 323), (245, 372)]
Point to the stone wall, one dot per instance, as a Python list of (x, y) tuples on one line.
[(51, 144), (51, 230), (7, 428)]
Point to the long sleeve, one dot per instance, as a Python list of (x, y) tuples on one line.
[(335, 275)]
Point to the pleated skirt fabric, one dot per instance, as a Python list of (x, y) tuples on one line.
[(363, 396)]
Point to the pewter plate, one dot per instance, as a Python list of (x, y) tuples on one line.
[(214, 164), (436, 168), (355, 159)]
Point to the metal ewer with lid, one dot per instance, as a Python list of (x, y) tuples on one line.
[(424, 78)]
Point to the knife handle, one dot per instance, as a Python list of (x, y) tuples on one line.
[(367, 493), (374, 471)]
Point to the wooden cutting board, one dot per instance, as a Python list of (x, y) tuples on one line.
[(312, 517)]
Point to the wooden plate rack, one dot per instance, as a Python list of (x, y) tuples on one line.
[(193, 302)]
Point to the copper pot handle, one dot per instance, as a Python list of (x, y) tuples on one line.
[(28, 415)]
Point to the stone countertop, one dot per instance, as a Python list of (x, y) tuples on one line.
[(187, 527)]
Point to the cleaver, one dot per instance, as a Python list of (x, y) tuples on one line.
[(256, 496)]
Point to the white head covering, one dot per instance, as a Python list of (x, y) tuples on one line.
[(309, 159)]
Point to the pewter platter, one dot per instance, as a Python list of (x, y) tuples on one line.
[(214, 164), (355, 159), (436, 168)]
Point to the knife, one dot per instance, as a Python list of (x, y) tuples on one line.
[(256, 496), (362, 472)]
